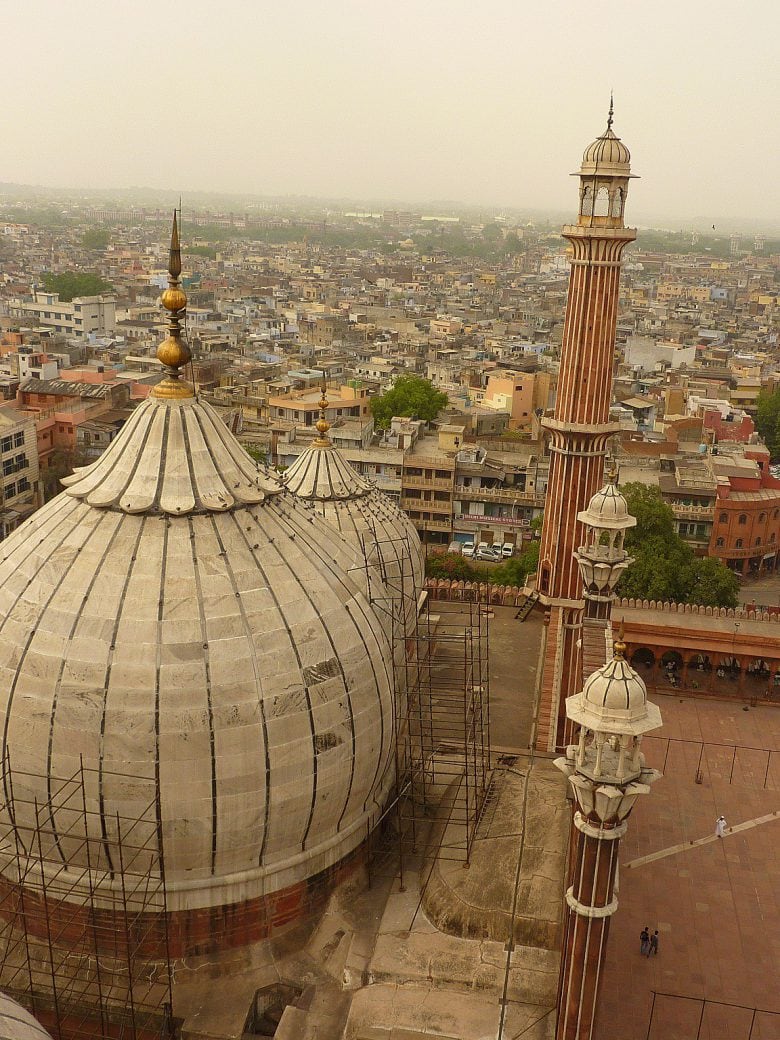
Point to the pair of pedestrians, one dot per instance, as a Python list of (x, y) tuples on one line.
[(648, 944)]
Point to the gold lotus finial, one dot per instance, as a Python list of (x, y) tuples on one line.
[(322, 425), (173, 352)]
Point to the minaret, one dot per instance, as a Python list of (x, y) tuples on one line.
[(607, 774), (579, 428)]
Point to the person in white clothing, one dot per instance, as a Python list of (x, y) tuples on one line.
[(720, 826)]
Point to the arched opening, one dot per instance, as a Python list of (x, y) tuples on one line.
[(758, 671), (643, 657), (586, 208), (601, 208), (671, 661), (729, 668), (617, 203)]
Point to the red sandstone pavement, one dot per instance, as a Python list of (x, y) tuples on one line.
[(717, 905)]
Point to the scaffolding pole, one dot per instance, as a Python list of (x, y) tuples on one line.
[(82, 945)]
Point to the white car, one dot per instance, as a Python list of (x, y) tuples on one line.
[(497, 547), (507, 550), (468, 549)]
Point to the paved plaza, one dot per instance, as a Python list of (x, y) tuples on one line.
[(715, 902)]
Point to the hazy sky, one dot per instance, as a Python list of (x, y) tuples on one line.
[(480, 101)]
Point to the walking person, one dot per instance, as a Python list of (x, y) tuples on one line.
[(644, 941), (653, 943), (720, 826)]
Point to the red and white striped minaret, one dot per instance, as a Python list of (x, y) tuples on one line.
[(607, 774), (579, 429)]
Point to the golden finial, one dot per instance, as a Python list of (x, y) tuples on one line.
[(173, 352), (611, 472), (322, 425), (619, 646)]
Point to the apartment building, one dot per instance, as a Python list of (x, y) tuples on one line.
[(496, 497), (83, 316), (19, 493), (427, 483)]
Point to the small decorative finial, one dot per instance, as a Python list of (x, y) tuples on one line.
[(173, 352), (619, 646), (322, 425), (611, 472), (611, 111)]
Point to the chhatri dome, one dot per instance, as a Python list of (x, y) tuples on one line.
[(607, 154), (175, 615), (380, 532)]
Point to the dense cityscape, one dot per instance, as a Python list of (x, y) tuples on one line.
[(278, 301), (389, 590)]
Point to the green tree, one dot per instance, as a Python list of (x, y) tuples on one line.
[(768, 421), (665, 567), (517, 569), (209, 252), (411, 396), (96, 238), (512, 243), (450, 565), (713, 584), (654, 518), (70, 284)]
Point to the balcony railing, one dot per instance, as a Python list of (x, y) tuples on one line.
[(483, 494), (440, 483), (432, 525), (683, 512), (423, 505)]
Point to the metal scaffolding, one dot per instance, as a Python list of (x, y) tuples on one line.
[(83, 913), (442, 718), (447, 727)]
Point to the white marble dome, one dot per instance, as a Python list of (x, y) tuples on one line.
[(380, 531), (607, 150), (176, 615), (607, 509), (18, 1024), (614, 700)]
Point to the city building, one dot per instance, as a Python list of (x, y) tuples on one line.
[(83, 316)]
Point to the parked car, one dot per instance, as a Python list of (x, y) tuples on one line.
[(482, 546), (455, 547), (488, 554), (496, 547), (467, 549), (507, 550)]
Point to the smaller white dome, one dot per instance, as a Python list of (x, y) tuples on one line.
[(615, 687), (607, 150), (614, 700), (608, 508)]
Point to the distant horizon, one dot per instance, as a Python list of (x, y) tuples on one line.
[(492, 105), (748, 226)]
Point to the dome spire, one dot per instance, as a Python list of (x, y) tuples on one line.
[(173, 352), (619, 645), (322, 424), (611, 110)]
